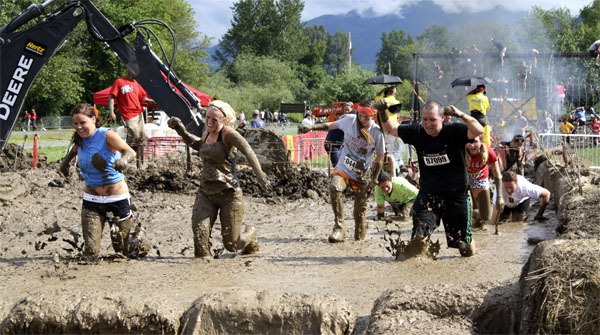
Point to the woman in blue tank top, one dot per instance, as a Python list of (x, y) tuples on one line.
[(102, 157)]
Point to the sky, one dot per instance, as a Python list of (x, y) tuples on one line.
[(214, 16)]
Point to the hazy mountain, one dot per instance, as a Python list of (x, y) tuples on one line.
[(366, 29)]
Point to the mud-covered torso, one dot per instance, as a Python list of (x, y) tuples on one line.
[(218, 166)]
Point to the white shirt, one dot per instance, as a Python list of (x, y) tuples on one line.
[(523, 191)]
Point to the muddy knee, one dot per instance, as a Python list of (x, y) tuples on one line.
[(91, 224), (119, 234)]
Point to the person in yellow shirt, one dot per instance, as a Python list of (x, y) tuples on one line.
[(479, 105), (566, 128)]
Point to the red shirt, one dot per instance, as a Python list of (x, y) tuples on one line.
[(128, 97), (477, 170), (595, 127)]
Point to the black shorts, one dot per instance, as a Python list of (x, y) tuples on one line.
[(119, 208), (477, 115)]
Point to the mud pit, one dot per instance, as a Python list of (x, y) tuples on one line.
[(333, 286)]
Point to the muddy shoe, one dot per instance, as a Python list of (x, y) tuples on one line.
[(466, 250), (338, 235), (416, 246), (251, 248)]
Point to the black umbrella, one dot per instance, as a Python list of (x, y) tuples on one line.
[(384, 79), (470, 81)]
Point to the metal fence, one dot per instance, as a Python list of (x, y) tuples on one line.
[(575, 148)]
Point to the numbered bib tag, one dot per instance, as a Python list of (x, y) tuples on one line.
[(436, 160), (353, 164)]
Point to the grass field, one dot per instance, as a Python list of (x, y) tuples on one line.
[(52, 143)]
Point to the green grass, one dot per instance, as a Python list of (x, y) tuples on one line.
[(47, 142)]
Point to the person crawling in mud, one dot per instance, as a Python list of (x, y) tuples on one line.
[(440, 149), (219, 192), (103, 156), (517, 193), (397, 191), (355, 169), (481, 159)]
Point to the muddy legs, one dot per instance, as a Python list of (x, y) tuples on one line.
[(337, 204), (119, 235)]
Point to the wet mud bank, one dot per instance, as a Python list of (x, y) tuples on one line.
[(298, 283)]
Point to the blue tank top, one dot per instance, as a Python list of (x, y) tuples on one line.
[(96, 144)]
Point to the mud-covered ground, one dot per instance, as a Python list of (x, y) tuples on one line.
[(40, 236)]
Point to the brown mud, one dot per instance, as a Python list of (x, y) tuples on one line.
[(43, 288)]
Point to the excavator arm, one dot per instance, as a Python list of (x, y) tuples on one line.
[(24, 53)]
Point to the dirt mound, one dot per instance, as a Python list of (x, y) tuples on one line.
[(15, 158), (170, 173)]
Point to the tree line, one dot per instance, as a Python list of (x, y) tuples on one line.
[(269, 55)]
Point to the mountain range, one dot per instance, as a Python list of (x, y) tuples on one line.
[(366, 29)]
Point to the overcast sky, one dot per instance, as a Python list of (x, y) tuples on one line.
[(214, 16)]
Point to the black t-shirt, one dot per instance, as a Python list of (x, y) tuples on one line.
[(442, 162)]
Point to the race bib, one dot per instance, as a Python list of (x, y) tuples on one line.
[(436, 160), (354, 165)]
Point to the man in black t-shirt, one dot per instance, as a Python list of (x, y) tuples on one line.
[(443, 196)]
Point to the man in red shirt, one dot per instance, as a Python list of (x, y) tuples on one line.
[(129, 96)]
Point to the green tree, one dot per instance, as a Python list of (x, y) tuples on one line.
[(395, 55), (265, 28), (336, 58), (83, 66)]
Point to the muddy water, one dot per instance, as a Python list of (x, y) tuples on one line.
[(294, 254)]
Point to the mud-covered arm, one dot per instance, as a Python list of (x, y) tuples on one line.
[(319, 126), (495, 168), (66, 163), (375, 171), (235, 139), (116, 143), (474, 127), (191, 140)]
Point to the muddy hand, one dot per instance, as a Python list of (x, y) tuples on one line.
[(263, 180), (176, 124), (304, 129), (452, 111), (120, 165)]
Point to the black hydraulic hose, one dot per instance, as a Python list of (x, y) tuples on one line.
[(29, 14)]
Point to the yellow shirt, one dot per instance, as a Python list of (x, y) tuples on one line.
[(478, 102), (566, 128)]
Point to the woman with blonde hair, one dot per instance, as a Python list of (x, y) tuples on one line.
[(219, 193), (480, 160)]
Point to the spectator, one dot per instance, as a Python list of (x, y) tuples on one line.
[(519, 124), (579, 119), (397, 191), (517, 192), (443, 196), (594, 51), (389, 165), (129, 96), (479, 106), (393, 145), (241, 120), (256, 122), (102, 158), (27, 120), (33, 119), (308, 120), (511, 154), (546, 126), (481, 159), (501, 50), (219, 193), (595, 126), (356, 168), (566, 128), (335, 137)]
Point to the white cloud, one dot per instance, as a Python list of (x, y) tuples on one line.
[(214, 16)]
